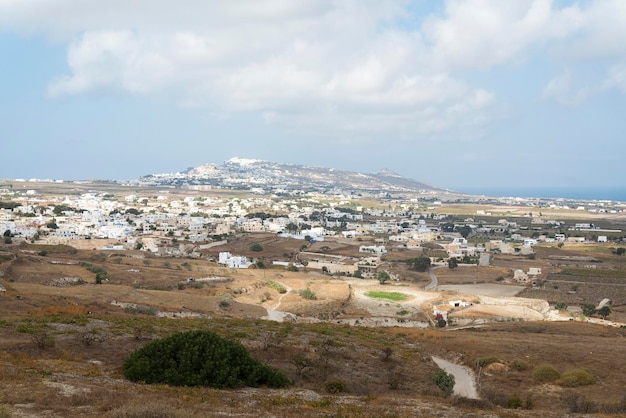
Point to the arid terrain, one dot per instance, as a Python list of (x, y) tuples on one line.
[(64, 338)]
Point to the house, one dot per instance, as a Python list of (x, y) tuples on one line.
[(520, 277), (233, 262), (374, 249)]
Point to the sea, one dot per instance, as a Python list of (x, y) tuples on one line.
[(577, 193)]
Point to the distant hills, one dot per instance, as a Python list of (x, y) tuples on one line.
[(266, 176)]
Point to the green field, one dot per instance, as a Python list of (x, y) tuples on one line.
[(395, 296)]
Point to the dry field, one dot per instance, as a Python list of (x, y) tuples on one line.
[(62, 343)]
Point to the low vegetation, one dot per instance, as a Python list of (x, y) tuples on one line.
[(199, 358)]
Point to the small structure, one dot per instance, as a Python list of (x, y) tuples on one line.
[(520, 277), (374, 249), (234, 262)]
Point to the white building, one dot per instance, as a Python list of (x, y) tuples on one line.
[(233, 262)]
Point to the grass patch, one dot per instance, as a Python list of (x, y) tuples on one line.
[(395, 296), (276, 286)]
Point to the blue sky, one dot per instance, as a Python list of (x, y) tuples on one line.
[(459, 94)]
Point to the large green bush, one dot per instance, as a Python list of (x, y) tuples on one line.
[(445, 381), (545, 373), (576, 377), (199, 358)]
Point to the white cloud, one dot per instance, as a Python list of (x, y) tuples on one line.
[(566, 90), (485, 33), (339, 65)]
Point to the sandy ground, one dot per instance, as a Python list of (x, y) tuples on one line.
[(482, 289)]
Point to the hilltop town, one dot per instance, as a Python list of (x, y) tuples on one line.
[(255, 241)]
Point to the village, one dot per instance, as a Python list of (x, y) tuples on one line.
[(374, 237)]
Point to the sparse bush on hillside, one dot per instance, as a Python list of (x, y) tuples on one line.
[(199, 358), (516, 402), (561, 306), (576, 377), (256, 247), (276, 286), (307, 294), (519, 365), (545, 373), (486, 361), (334, 387)]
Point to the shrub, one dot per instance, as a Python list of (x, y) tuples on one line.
[(516, 402), (444, 381), (545, 373), (256, 247), (307, 294), (576, 377), (561, 306), (486, 361), (138, 309), (334, 386), (276, 286), (519, 365), (199, 358)]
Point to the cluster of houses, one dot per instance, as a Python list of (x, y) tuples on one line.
[(170, 225)]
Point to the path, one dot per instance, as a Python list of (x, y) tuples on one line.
[(464, 381), (282, 295), (433, 279)]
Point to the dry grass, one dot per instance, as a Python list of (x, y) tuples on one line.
[(386, 371)]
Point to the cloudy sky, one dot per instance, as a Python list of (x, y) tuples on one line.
[(475, 93)]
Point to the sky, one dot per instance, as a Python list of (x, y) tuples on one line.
[(458, 94)]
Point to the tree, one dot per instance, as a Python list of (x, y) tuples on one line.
[(421, 263), (383, 277), (256, 247), (453, 263), (561, 306), (588, 309), (464, 230), (604, 311), (620, 251), (444, 381), (7, 233)]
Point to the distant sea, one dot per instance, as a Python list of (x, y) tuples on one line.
[(579, 193)]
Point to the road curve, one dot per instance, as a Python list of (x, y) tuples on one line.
[(433, 280), (464, 381)]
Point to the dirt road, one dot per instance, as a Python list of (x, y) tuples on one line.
[(464, 380)]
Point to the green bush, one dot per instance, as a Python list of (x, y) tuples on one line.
[(276, 286), (307, 294), (519, 365), (199, 358), (256, 247), (576, 377), (444, 381), (486, 361), (334, 387), (545, 373)]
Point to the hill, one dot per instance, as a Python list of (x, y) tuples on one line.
[(264, 176)]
